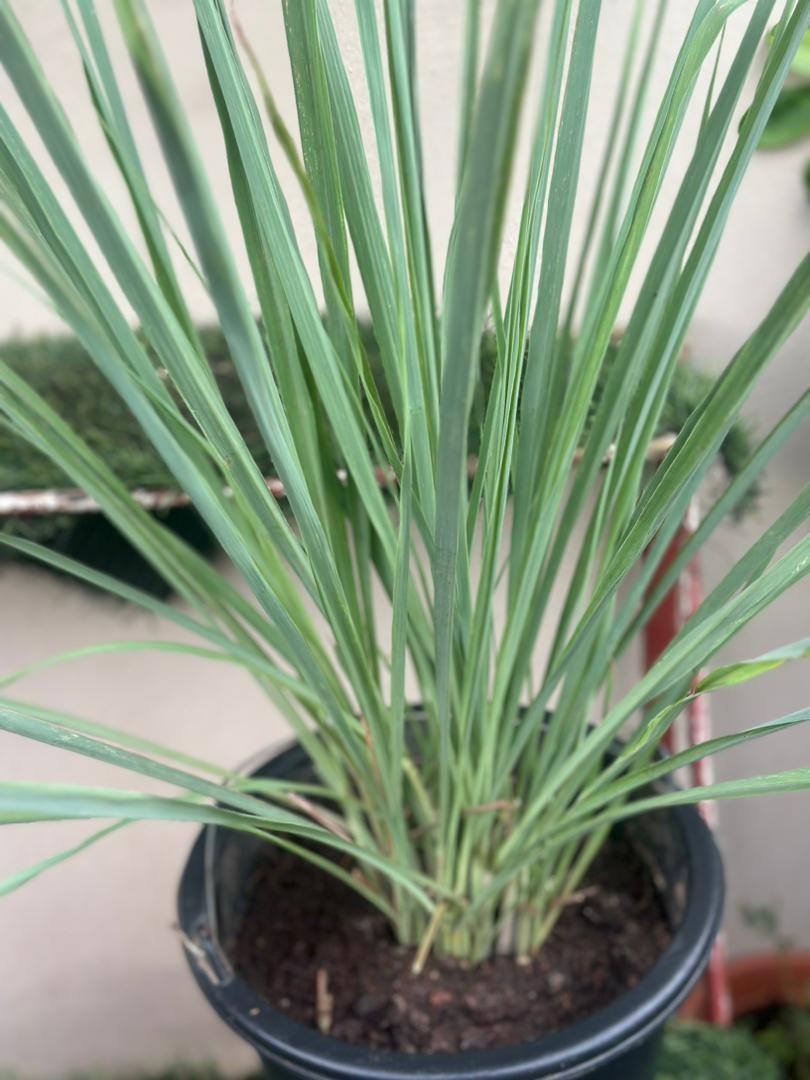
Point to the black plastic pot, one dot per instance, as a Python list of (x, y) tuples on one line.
[(617, 1043)]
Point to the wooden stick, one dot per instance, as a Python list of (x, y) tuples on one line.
[(39, 503)]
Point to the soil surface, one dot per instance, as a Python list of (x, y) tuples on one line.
[(306, 937)]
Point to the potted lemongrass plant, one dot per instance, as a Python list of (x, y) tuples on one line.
[(488, 875)]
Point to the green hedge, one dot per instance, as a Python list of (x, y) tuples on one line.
[(61, 371)]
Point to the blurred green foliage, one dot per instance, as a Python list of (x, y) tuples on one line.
[(693, 1051), (785, 1037), (790, 119)]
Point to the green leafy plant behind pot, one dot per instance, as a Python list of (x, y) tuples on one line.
[(785, 1037), (703, 1052), (474, 836)]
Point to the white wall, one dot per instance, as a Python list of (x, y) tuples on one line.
[(93, 973)]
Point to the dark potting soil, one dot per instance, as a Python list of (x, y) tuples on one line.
[(306, 938)]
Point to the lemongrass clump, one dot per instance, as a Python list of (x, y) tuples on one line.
[(472, 822)]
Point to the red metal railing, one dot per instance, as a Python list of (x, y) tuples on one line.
[(675, 609)]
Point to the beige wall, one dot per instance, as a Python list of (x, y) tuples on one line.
[(92, 969)]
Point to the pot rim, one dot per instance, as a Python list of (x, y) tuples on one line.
[(629, 1020)]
